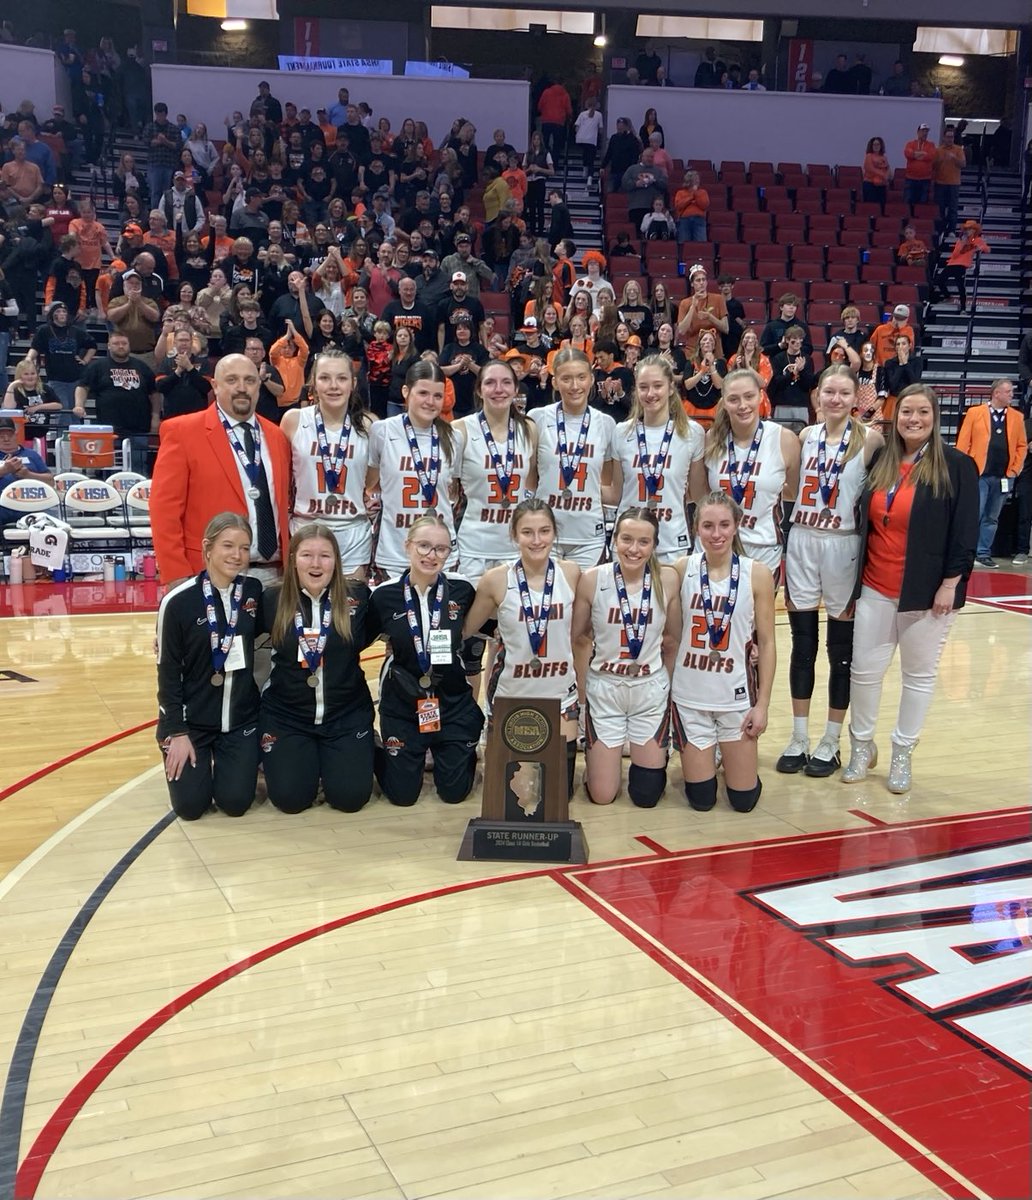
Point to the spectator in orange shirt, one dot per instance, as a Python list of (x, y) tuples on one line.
[(912, 250), (289, 355), (884, 336), (701, 309), (555, 111), (159, 234), (516, 178), (223, 242), (962, 256), (920, 154), (947, 164), (876, 173), (691, 204), (93, 243)]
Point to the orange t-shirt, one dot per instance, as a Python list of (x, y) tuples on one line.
[(91, 237), (919, 168), (691, 202), (887, 540), (516, 178), (705, 317), (947, 164)]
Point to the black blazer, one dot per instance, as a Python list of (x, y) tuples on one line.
[(941, 538)]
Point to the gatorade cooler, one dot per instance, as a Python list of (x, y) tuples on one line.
[(92, 446)]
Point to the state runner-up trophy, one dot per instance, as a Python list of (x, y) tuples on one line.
[(525, 811)]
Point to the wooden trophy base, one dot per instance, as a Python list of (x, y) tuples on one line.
[(510, 841)]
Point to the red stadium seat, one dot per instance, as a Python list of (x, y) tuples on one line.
[(790, 168), (696, 251), (852, 222), (790, 227), (819, 171), (494, 302), (876, 273), (823, 229), (850, 177), (858, 239), (810, 257), (751, 289), (828, 293), (755, 311), (736, 262), (838, 200), (902, 293), (755, 227), (870, 315), (794, 180), (744, 198), (866, 209), (732, 164), (915, 275), (809, 199), (886, 239), (818, 335), (771, 260), (824, 313), (897, 213), (719, 222), (865, 293)]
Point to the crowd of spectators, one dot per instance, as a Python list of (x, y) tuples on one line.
[(286, 231)]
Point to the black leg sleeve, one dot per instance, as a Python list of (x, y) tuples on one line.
[(804, 626), (840, 660)]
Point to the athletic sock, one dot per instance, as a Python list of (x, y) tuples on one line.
[(801, 729), (833, 731)]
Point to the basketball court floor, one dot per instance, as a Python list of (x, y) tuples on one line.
[(830, 997)]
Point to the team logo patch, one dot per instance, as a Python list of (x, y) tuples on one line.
[(453, 611), (268, 741), (392, 745), (251, 606), (352, 605)]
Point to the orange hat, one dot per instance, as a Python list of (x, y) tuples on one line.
[(594, 256), (634, 340)]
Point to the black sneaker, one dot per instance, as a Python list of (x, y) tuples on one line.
[(821, 765), (985, 561), (795, 758)]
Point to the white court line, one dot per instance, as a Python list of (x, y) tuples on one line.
[(11, 880)]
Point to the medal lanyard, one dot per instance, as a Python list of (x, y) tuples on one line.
[(312, 650), (827, 477), (413, 620), (251, 466), (652, 467), (502, 474), (718, 629), (739, 476), (427, 475), (569, 460), (890, 495), (221, 644), (332, 464), (635, 630), (537, 627)]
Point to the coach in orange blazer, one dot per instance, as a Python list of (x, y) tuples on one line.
[(993, 435), (197, 473)]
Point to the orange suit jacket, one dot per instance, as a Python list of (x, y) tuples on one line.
[(196, 477), (973, 438)]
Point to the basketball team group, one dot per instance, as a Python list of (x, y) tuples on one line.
[(628, 571)]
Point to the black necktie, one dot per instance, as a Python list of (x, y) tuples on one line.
[(267, 541)]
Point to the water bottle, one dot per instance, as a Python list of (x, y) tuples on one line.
[(866, 256), (150, 566), (120, 570), (15, 575), (68, 572), (109, 569)]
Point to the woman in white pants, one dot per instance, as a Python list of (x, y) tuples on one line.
[(919, 520)]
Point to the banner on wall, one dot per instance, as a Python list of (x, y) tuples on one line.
[(337, 66), (800, 64), (306, 37), (443, 70)]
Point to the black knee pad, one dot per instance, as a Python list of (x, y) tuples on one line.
[(571, 767), (645, 785), (804, 627), (472, 654), (744, 801), (702, 796), (840, 661)]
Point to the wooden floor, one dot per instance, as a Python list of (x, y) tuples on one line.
[(333, 1006)]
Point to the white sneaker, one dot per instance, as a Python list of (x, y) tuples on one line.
[(825, 759)]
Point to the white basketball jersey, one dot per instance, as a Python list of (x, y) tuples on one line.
[(611, 655), (699, 682), (402, 497), (512, 674), (682, 452), (312, 499), (845, 497), (579, 516), (761, 504), (484, 529)]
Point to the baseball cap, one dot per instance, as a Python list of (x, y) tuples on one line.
[(132, 227), (252, 192), (462, 237), (179, 175), (7, 423), (923, 125), (634, 340), (529, 325), (130, 274), (459, 277), (901, 310), (430, 250)]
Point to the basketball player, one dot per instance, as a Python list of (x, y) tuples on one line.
[(329, 445), (207, 696), (725, 606), (532, 600), (412, 457), (496, 468), (820, 564), (618, 621), (756, 462), (653, 452), (574, 449), (317, 718), (425, 701)]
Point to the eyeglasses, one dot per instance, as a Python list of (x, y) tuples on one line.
[(425, 548)]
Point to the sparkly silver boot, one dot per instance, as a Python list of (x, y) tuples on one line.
[(862, 756), (899, 769)]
